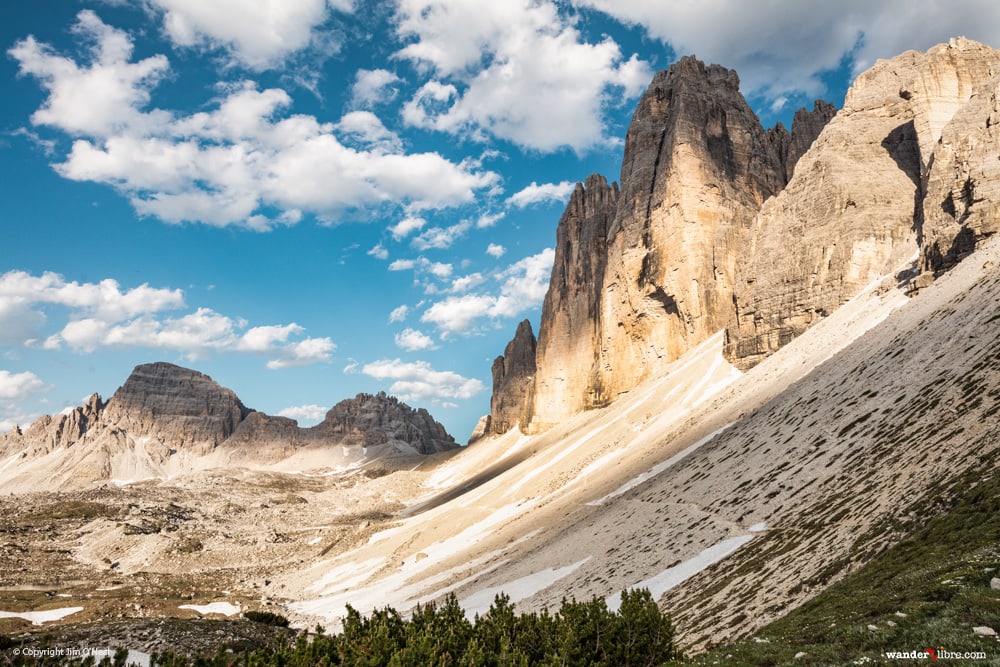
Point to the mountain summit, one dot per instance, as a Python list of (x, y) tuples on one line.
[(167, 420), (721, 225)]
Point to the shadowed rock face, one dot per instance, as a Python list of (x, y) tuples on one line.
[(176, 405), (371, 420), (806, 127), (570, 336), (513, 382)]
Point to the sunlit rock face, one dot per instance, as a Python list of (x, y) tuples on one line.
[(962, 186), (176, 405), (719, 224), (167, 420), (569, 340), (697, 167), (646, 272), (854, 209)]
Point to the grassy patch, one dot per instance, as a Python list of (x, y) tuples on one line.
[(929, 590)]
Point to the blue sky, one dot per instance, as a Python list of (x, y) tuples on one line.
[(307, 199)]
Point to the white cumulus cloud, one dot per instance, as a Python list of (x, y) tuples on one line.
[(413, 340), (19, 385), (257, 35), (465, 283), (103, 314), (238, 160), (495, 250), (541, 194), (522, 286), (418, 381), (406, 226), (98, 99), (372, 87), (491, 63), (305, 413)]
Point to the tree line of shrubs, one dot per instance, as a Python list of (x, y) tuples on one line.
[(579, 633)]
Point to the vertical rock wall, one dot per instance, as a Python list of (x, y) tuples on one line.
[(513, 382), (569, 339), (720, 224)]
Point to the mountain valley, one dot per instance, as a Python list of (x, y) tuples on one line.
[(765, 360)]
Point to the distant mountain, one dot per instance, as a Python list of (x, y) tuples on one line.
[(721, 225), (166, 420)]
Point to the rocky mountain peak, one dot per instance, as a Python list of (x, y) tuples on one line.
[(806, 126), (864, 194), (175, 404), (51, 432), (166, 419), (721, 225), (513, 379), (370, 420), (696, 169)]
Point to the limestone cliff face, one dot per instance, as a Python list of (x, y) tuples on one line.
[(644, 274), (854, 208), (962, 201), (176, 405), (720, 224), (806, 128), (51, 432), (697, 167), (570, 336), (513, 382)]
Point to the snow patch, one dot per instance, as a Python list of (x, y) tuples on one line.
[(658, 468), (394, 590), (126, 482), (39, 617), (673, 576), (348, 575)]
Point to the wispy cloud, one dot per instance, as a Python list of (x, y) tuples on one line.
[(399, 313)]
